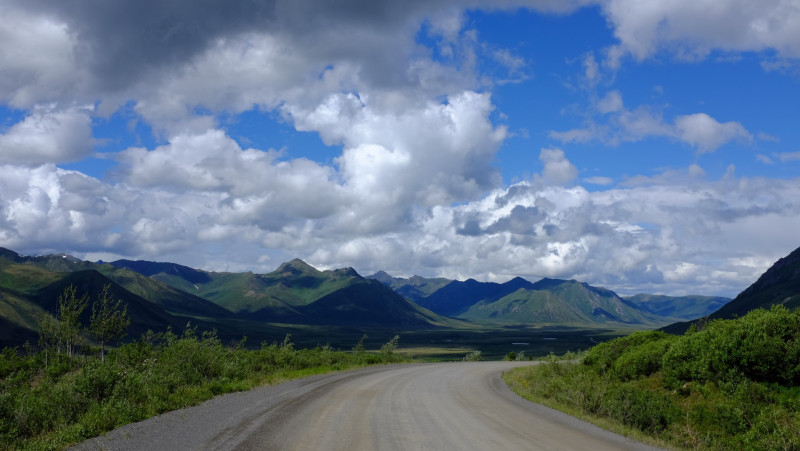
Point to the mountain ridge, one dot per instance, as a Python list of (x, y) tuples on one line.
[(297, 293), (779, 284)]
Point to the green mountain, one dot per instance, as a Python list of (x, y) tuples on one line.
[(780, 284), (297, 293), (29, 292), (369, 303), (274, 296), (550, 301), (19, 319), (148, 269), (172, 300), (457, 297), (414, 288), (554, 301), (683, 307)]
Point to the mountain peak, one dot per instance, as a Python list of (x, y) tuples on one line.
[(346, 272), (383, 277), (296, 266), (518, 282), (547, 283)]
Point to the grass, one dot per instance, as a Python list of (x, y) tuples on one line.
[(52, 401)]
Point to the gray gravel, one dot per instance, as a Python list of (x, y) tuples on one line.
[(442, 406)]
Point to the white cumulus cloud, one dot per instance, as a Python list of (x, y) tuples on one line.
[(48, 135)]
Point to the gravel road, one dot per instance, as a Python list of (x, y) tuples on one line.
[(441, 406)]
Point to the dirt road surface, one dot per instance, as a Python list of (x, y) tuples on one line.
[(441, 406)]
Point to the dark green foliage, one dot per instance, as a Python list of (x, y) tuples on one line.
[(636, 355), (763, 346), (732, 384), (74, 398), (643, 409)]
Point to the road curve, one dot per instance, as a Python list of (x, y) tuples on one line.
[(441, 406)]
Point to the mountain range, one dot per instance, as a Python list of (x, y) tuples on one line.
[(167, 295)]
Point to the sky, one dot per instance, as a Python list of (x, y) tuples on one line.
[(640, 146)]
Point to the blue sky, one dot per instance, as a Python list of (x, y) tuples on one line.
[(642, 146)]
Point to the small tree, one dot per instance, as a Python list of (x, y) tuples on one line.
[(474, 356), (388, 349), (108, 321), (70, 308), (49, 335), (359, 349)]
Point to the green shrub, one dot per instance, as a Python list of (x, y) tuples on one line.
[(646, 410), (642, 360), (33, 415), (603, 356), (762, 346), (731, 385), (97, 381)]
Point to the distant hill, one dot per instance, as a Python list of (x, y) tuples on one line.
[(29, 292), (414, 288), (682, 307), (144, 315), (457, 297), (298, 293), (369, 303), (170, 299), (293, 284), (550, 301), (148, 269), (780, 284), (555, 301)]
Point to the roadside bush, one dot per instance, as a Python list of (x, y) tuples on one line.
[(762, 346), (97, 381), (603, 356), (9, 429), (642, 360), (33, 415), (734, 384), (646, 410)]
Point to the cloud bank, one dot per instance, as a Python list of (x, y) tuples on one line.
[(399, 93)]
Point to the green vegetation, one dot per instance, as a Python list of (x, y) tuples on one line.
[(50, 404), (734, 384)]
